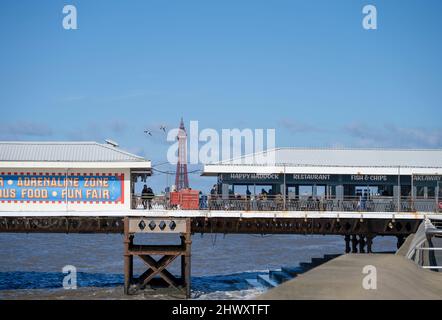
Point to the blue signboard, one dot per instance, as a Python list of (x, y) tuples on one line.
[(61, 188)]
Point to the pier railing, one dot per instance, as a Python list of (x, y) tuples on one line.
[(279, 203), (424, 248)]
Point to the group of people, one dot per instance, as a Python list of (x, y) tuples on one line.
[(147, 196)]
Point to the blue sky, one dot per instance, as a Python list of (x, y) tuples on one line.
[(306, 68)]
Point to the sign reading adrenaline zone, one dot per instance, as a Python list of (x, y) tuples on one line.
[(51, 187)]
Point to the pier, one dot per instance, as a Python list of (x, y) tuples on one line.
[(87, 187)]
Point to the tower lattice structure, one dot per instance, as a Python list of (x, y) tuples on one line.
[(181, 177)]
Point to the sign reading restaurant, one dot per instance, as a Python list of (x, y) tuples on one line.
[(315, 177), (59, 187)]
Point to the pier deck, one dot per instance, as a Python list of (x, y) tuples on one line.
[(419, 215), (345, 223), (341, 278)]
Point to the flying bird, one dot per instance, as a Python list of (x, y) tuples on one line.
[(163, 128), (148, 132)]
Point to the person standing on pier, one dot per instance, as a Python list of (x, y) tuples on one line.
[(146, 196)]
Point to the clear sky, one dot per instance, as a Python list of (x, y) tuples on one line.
[(306, 68)]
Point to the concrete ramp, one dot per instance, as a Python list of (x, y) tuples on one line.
[(342, 278)]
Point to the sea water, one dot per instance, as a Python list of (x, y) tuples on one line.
[(31, 264)]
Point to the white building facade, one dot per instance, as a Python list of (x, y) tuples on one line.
[(67, 177)]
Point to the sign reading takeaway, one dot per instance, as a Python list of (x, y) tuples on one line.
[(59, 187)]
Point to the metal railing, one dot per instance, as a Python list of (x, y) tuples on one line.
[(278, 203), (422, 249), (157, 203)]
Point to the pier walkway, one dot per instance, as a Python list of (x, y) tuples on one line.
[(411, 273), (341, 278)]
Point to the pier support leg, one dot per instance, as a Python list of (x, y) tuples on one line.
[(354, 244), (128, 258), (361, 244), (400, 241), (347, 244), (369, 243), (186, 242), (157, 275)]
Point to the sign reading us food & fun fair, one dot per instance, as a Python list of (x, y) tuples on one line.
[(61, 187)]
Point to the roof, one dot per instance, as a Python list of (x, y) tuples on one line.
[(332, 161), (65, 152)]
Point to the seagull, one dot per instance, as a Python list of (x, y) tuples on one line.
[(148, 132), (162, 127)]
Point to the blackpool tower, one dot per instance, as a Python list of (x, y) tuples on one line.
[(181, 178)]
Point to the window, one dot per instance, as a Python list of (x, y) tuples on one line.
[(331, 191), (349, 190), (364, 191), (406, 191), (305, 191), (386, 191), (420, 191), (431, 192), (291, 192), (320, 191)]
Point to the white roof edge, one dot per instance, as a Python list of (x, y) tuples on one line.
[(336, 157), (355, 148), (220, 169), (94, 143), (223, 162), (49, 142), (290, 165), (121, 151), (229, 161), (145, 164)]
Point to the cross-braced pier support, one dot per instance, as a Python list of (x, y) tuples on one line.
[(157, 273)]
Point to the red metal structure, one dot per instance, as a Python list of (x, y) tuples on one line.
[(182, 178), (185, 199)]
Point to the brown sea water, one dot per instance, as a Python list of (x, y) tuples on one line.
[(31, 264)]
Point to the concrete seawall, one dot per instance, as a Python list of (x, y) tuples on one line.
[(342, 278)]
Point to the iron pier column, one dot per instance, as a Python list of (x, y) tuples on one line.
[(354, 244), (400, 241), (347, 244), (128, 258), (369, 243), (361, 244)]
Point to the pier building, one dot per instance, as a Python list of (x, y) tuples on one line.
[(379, 180)]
